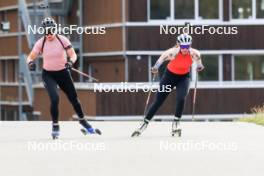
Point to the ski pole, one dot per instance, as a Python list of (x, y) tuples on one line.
[(194, 95), (84, 74), (149, 93)]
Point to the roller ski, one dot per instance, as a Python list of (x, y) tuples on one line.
[(175, 128), (55, 131), (87, 128), (139, 131), (91, 130)]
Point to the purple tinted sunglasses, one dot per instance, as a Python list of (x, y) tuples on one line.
[(185, 46)]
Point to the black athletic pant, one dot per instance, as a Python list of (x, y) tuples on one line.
[(63, 79), (171, 80)]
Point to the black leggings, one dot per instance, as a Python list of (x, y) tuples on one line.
[(170, 79), (63, 79)]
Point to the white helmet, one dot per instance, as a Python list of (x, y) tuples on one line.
[(48, 22), (184, 39)]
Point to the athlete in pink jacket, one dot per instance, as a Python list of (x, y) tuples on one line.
[(56, 72)]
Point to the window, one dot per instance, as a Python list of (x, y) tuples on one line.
[(208, 9), (2, 113), (260, 8), (16, 70), (2, 71), (249, 68), (11, 71), (241, 9), (211, 71), (184, 9), (247, 9), (160, 9), (8, 115)]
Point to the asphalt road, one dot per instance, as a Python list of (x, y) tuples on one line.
[(205, 148)]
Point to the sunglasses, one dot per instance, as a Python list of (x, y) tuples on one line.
[(184, 46), (49, 32)]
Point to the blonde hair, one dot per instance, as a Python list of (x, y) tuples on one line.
[(177, 45)]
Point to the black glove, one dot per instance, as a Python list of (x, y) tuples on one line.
[(69, 65), (32, 66)]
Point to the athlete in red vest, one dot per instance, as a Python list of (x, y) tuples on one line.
[(177, 74)]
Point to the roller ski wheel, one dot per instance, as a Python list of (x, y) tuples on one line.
[(177, 132), (55, 135), (55, 132), (135, 134), (175, 128), (139, 131), (91, 131)]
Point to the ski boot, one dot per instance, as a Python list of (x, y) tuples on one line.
[(142, 127), (175, 127), (55, 131), (88, 129)]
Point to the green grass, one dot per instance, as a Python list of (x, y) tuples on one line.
[(257, 118)]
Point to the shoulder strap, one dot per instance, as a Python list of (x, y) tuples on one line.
[(43, 43), (44, 40), (60, 41), (67, 47)]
